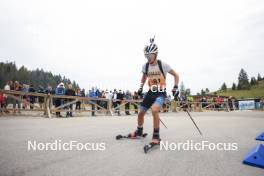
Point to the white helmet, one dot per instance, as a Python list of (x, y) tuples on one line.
[(152, 48)]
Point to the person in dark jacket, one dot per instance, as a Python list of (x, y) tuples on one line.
[(119, 97), (93, 94), (128, 97), (230, 103), (70, 92), (41, 98), (60, 90), (78, 103), (135, 97), (31, 98)]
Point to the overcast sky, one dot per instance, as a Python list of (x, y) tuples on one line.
[(101, 42)]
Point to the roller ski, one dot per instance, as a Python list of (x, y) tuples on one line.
[(138, 134), (150, 146), (155, 142), (118, 137)]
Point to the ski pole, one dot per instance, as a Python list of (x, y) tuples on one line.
[(194, 122), (163, 123)]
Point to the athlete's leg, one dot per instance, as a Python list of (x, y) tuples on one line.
[(140, 122), (155, 108), (144, 106), (140, 119)]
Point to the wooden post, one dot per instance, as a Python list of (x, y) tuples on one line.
[(48, 105), (200, 106), (45, 106), (109, 104)]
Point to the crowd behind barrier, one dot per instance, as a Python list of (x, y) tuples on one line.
[(16, 97)]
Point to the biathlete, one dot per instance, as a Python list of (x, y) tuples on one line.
[(155, 71)]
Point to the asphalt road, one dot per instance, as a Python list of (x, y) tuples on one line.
[(126, 157)]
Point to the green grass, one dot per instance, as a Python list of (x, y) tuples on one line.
[(256, 91)]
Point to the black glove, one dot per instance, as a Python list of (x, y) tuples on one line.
[(140, 91), (175, 92)]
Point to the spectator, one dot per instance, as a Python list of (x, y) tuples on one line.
[(174, 103), (41, 98), (135, 97), (31, 89), (203, 102), (230, 103), (103, 103), (17, 87), (78, 103), (2, 102), (25, 97), (183, 102), (92, 94), (120, 97), (114, 97), (11, 84), (82, 95), (69, 92), (7, 99), (7, 86), (98, 95), (110, 95), (60, 90), (49, 91), (190, 102), (262, 103), (106, 93), (128, 97), (166, 104), (218, 102)]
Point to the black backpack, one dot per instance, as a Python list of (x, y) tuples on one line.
[(160, 67)]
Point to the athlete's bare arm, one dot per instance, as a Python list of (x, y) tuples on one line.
[(175, 75), (143, 79)]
